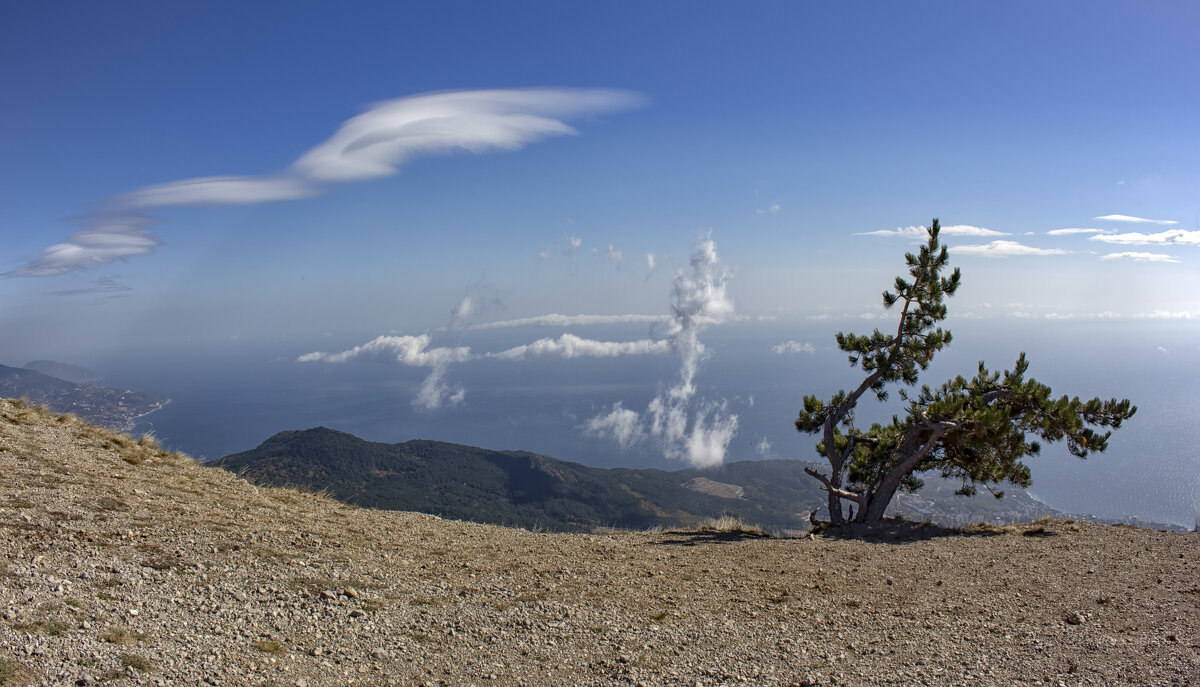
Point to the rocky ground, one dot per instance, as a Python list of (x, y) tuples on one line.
[(123, 564)]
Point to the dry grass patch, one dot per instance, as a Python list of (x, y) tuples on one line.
[(122, 636), (13, 674), (47, 626), (269, 646), (730, 524), (137, 662)]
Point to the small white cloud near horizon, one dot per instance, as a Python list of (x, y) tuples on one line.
[(772, 209), (1004, 249), (557, 320), (573, 244), (614, 253), (763, 448), (374, 144), (919, 233), (570, 346), (479, 299), (794, 347), (1073, 231), (1140, 257), (412, 351), (619, 423), (1162, 238), (1136, 220)]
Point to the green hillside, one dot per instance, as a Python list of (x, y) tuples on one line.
[(523, 489)]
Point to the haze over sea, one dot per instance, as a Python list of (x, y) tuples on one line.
[(231, 401)]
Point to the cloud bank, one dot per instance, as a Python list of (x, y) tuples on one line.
[(374, 144)]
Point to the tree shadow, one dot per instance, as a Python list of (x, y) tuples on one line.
[(898, 530), (698, 537)]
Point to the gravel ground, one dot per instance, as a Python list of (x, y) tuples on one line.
[(123, 564)]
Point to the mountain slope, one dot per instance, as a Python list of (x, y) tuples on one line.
[(99, 405), (533, 491), (502, 487), (123, 564)]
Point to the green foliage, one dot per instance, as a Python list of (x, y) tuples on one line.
[(975, 430)]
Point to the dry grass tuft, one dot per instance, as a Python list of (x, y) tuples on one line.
[(122, 636), (729, 523), (137, 662), (269, 646), (13, 674)]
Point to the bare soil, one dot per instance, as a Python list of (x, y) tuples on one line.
[(121, 563)]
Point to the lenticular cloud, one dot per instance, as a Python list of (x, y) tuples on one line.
[(685, 428), (374, 144)]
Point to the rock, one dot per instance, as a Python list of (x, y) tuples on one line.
[(1075, 618), (350, 592)]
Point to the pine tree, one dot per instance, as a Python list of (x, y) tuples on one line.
[(975, 429)]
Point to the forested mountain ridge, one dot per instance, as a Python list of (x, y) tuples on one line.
[(524, 489)]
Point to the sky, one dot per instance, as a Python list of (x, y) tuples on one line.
[(371, 180)]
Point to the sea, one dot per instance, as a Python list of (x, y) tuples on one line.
[(230, 398)]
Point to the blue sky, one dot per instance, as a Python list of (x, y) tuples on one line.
[(397, 169)]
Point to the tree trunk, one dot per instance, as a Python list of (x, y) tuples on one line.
[(835, 510), (878, 502)]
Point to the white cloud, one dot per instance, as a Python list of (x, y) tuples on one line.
[(573, 244), (1140, 257), (1162, 238), (772, 209), (412, 351), (699, 435), (1070, 232), (478, 300), (106, 240), (919, 233), (651, 264), (794, 347), (218, 191), (372, 145), (614, 253), (556, 320), (763, 448), (620, 424), (571, 346), (1004, 249), (708, 442), (1138, 220)]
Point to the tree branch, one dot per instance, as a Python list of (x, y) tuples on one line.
[(827, 486)]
